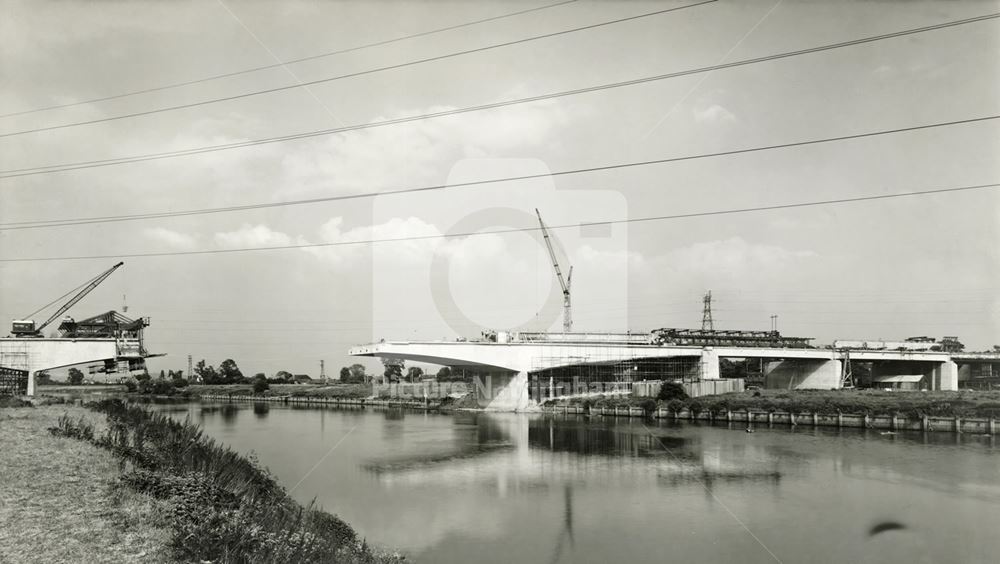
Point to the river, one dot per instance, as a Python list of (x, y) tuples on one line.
[(474, 487)]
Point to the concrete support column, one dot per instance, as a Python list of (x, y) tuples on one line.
[(947, 376), (803, 374), (709, 364)]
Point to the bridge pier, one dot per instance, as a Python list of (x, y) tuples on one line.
[(795, 374), (709, 364), (499, 391), (944, 377)]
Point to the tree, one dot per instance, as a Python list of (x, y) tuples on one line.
[(229, 373), (260, 384), (358, 374), (43, 379), (283, 375), (345, 374), (163, 375), (671, 391), (393, 369), (75, 376), (443, 374), (414, 373), (206, 373)]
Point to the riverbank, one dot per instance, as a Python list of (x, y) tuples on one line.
[(61, 501), (188, 498), (912, 405)]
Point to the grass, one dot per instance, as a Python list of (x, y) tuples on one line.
[(966, 403), (222, 506), (61, 501)]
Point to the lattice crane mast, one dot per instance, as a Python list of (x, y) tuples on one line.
[(26, 327), (564, 284)]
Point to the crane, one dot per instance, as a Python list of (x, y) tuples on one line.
[(26, 327), (564, 284)]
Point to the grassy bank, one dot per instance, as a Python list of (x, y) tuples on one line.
[(873, 402), (61, 500), (222, 506)]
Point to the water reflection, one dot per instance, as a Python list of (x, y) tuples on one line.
[(516, 488), (261, 409)]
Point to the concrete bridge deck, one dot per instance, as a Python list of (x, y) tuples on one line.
[(792, 368)]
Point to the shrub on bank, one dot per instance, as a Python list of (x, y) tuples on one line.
[(11, 401), (671, 391), (224, 508)]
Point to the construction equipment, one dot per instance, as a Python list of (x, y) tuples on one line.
[(27, 328), (564, 284)]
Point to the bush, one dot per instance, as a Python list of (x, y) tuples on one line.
[(671, 391), (648, 406), (260, 386), (11, 401), (131, 386), (675, 406), (224, 507), (696, 407)]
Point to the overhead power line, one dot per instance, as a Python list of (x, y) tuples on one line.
[(522, 229), (288, 62), (47, 169), (436, 187), (358, 73)]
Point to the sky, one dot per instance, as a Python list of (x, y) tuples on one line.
[(889, 268)]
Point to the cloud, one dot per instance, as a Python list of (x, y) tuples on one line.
[(713, 114), (173, 239), (255, 236), (418, 250), (418, 152), (733, 256)]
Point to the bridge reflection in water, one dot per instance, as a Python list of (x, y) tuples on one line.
[(537, 488)]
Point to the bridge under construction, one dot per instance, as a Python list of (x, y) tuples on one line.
[(111, 341), (523, 370)]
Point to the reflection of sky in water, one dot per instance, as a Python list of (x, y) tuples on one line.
[(505, 487)]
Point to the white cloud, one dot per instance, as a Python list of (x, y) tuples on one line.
[(174, 239), (713, 113), (733, 256), (419, 152), (255, 236), (405, 251)]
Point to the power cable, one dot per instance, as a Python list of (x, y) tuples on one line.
[(515, 229), (46, 169), (288, 62), (354, 74), (108, 219), (46, 306)]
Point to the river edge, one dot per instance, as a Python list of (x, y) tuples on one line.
[(923, 414), (72, 493), (60, 500)]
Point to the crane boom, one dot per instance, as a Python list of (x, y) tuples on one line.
[(563, 283), (65, 307)]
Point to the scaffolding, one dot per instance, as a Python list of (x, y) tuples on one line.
[(606, 370)]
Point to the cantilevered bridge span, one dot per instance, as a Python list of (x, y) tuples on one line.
[(522, 369)]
